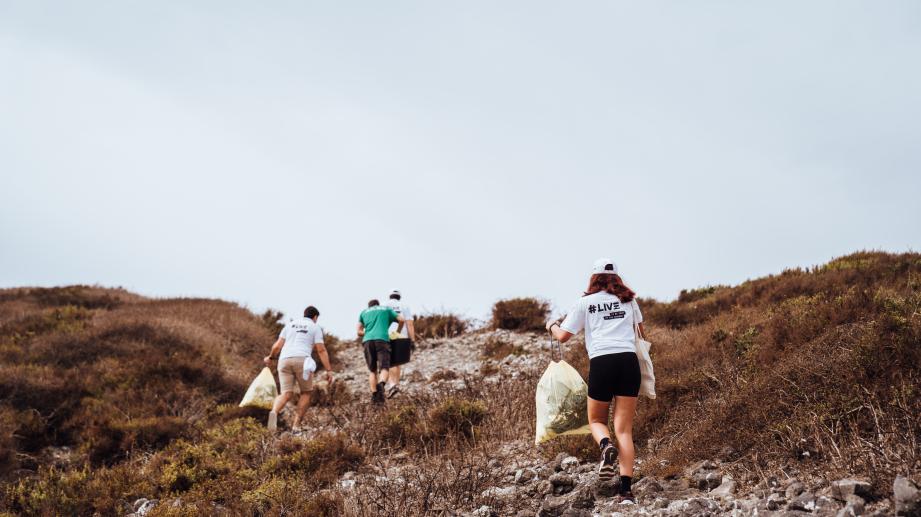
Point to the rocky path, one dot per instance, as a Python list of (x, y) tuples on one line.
[(567, 487)]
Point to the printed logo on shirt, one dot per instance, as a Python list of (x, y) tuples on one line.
[(604, 307), (615, 315)]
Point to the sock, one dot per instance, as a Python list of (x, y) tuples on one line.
[(605, 442), (625, 483)]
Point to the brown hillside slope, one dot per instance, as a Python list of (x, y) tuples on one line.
[(818, 370), (105, 372)]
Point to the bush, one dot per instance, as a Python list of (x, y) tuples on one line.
[(521, 314), (458, 416), (273, 321), (439, 326)]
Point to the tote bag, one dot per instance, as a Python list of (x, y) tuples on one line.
[(648, 378)]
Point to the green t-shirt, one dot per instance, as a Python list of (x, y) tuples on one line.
[(376, 321)]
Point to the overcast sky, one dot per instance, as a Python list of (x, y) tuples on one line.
[(280, 154)]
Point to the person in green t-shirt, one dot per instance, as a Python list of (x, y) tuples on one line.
[(374, 327)]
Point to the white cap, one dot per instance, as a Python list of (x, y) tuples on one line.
[(395, 292), (604, 266)]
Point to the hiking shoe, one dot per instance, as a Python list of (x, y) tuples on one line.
[(608, 460), (273, 421), (393, 391), (626, 498)]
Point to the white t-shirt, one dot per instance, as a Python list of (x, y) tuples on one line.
[(608, 323), (403, 310), (300, 336)]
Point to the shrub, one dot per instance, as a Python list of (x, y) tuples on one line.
[(273, 321), (443, 325), (458, 416), (521, 314)]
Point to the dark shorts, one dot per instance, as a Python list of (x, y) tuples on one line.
[(377, 354), (613, 375), (400, 351)]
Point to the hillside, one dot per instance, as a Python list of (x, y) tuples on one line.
[(769, 393)]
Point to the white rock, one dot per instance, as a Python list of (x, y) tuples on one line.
[(569, 464)]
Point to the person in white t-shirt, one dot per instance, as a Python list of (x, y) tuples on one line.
[(400, 346), (607, 312), (295, 366)]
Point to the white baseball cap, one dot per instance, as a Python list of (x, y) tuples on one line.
[(395, 292), (604, 266)]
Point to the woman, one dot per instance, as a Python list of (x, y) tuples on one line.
[(607, 312)]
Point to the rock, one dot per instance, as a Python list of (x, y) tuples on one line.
[(544, 487), (609, 489), (569, 464), (705, 480), (906, 496), (561, 479), (493, 463), (505, 493), (349, 475), (522, 476), (555, 464), (484, 511), (804, 502), (794, 489), (145, 507), (138, 504), (775, 502), (844, 487), (726, 489), (855, 506), (347, 484), (660, 502), (582, 498), (646, 486), (552, 507)]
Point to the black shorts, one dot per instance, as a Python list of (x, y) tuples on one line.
[(613, 375), (400, 351), (377, 354)]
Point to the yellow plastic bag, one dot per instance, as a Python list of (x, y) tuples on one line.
[(561, 399), (262, 391)]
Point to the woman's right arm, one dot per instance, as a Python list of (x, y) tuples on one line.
[(557, 332)]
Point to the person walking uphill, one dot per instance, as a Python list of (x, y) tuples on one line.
[(607, 313), (374, 327), (295, 366), (401, 346)]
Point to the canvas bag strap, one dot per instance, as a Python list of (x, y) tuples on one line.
[(636, 321)]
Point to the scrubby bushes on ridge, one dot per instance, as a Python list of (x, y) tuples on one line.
[(439, 325), (521, 314)]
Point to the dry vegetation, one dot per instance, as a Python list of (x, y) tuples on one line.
[(819, 369), (520, 314), (814, 369), (440, 325)]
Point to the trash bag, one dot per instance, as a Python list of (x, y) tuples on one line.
[(262, 391), (561, 399)]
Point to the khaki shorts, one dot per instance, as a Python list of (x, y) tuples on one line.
[(291, 371)]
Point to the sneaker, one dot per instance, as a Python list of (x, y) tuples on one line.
[(626, 498), (273, 421), (608, 460), (392, 391)]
